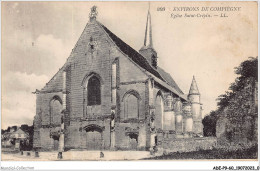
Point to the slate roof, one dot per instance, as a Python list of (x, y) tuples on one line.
[(169, 79), (141, 60)]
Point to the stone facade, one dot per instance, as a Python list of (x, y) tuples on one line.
[(109, 96), (188, 144)]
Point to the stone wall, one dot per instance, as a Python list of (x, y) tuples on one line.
[(187, 144)]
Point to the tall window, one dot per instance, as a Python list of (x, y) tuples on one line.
[(131, 103), (94, 93), (159, 112)]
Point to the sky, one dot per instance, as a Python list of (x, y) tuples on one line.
[(37, 38)]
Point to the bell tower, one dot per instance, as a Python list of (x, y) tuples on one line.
[(147, 50)]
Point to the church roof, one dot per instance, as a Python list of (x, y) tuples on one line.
[(131, 53), (169, 79), (141, 60)]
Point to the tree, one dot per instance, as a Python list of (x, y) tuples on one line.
[(237, 100), (247, 69), (24, 127), (209, 124)]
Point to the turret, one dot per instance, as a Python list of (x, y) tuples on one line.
[(194, 98)]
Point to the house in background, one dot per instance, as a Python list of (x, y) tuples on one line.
[(18, 136), (14, 136)]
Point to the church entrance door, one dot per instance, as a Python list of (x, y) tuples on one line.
[(94, 140), (55, 143), (94, 137), (133, 144)]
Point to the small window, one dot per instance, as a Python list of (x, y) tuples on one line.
[(94, 93)]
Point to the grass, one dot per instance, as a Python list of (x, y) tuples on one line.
[(250, 153)]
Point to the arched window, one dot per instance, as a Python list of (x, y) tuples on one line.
[(131, 106), (94, 93), (56, 108)]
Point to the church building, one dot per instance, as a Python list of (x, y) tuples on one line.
[(108, 96)]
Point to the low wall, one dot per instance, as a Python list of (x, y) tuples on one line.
[(188, 144)]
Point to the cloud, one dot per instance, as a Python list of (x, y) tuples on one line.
[(18, 102), (20, 82), (42, 55)]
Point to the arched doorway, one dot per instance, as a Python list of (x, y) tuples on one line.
[(55, 143), (133, 141), (94, 137)]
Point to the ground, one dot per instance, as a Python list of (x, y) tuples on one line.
[(77, 156), (216, 153), (220, 153)]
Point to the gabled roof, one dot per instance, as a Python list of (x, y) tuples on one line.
[(20, 131), (141, 60), (169, 79)]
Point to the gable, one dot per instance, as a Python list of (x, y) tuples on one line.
[(55, 84), (19, 131)]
